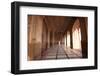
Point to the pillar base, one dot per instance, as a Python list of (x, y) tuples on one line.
[(84, 49)]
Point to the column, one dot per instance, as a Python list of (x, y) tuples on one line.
[(84, 44), (53, 38), (66, 39), (71, 39), (48, 38)]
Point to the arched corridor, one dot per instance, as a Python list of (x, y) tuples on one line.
[(57, 37)]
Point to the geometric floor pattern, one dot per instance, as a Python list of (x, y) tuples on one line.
[(61, 52)]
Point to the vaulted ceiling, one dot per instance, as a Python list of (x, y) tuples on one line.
[(58, 23)]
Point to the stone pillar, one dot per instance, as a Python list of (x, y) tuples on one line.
[(53, 38), (48, 38), (71, 39), (66, 39), (84, 44)]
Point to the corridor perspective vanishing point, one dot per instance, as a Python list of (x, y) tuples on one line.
[(57, 37)]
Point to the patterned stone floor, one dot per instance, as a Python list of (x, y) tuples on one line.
[(61, 52)]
